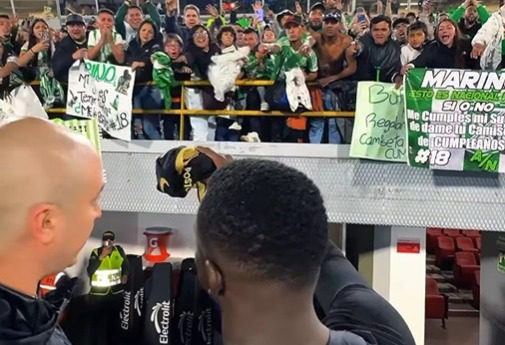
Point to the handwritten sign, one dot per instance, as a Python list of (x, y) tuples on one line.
[(379, 125), (104, 92)]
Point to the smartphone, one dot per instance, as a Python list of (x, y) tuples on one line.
[(361, 18)]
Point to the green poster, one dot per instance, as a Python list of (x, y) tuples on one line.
[(455, 119), (88, 128), (379, 124)]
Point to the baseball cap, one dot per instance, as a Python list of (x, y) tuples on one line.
[(105, 10), (283, 14), (401, 21), (181, 169), (108, 235), (293, 19), (335, 15), (75, 19), (317, 6)]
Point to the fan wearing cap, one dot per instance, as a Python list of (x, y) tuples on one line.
[(299, 65), (105, 44), (336, 62), (400, 27), (316, 17), (281, 20), (108, 270), (73, 47)]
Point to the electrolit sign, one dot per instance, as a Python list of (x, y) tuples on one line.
[(157, 244), (185, 327), (139, 301), (160, 317), (124, 315)]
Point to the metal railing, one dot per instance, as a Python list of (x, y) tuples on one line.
[(182, 111)]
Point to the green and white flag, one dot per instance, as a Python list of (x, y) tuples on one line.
[(455, 119)]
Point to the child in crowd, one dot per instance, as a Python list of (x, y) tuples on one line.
[(417, 33), (226, 67), (224, 70), (264, 69), (173, 47), (268, 36)]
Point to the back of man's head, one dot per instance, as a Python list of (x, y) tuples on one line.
[(264, 221)]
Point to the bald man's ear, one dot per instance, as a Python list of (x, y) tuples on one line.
[(43, 220), (214, 279)]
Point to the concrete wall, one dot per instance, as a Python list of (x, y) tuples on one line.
[(400, 277)]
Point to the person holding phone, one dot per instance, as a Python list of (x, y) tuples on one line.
[(108, 271), (360, 23), (35, 62)]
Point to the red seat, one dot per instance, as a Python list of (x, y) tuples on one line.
[(471, 233), (437, 304), (477, 242), (445, 250), (464, 267), (431, 239), (452, 232), (465, 244), (476, 289)]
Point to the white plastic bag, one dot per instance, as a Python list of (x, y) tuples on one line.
[(22, 102), (26, 103), (296, 89)]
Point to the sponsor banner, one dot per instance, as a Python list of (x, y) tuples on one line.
[(158, 308)]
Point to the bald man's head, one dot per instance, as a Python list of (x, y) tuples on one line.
[(50, 176)]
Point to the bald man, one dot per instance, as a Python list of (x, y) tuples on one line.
[(50, 183)]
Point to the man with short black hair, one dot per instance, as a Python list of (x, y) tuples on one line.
[(191, 18), (411, 16), (250, 254), (105, 43), (72, 48), (129, 17), (470, 16), (378, 55)]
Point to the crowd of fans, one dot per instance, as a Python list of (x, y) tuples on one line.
[(335, 49)]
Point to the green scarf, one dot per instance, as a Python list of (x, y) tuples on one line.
[(50, 88), (163, 76)]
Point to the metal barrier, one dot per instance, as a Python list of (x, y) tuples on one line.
[(203, 112)]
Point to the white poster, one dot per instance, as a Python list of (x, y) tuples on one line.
[(102, 91)]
